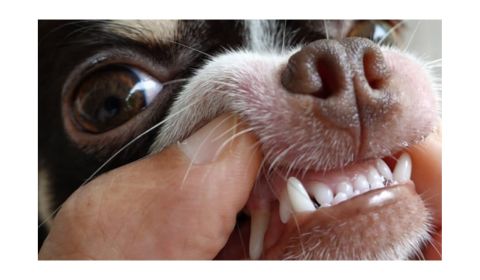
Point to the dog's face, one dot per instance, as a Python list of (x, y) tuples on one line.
[(331, 103)]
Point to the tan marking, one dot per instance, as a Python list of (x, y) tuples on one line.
[(146, 31), (44, 198)]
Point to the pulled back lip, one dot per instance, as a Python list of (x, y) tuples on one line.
[(371, 201)]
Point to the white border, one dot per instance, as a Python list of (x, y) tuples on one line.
[(19, 136)]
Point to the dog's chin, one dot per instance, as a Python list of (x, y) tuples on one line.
[(385, 223)]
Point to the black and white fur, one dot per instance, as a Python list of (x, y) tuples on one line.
[(208, 56)]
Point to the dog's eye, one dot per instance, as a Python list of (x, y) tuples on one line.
[(112, 95), (378, 31)]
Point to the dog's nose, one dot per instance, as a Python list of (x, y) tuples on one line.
[(328, 68), (347, 80)]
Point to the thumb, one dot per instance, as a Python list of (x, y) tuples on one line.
[(178, 204), (427, 175)]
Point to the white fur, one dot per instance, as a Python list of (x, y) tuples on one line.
[(212, 91)]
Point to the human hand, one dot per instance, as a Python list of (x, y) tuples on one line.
[(427, 175), (178, 204)]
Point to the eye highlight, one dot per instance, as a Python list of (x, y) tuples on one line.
[(379, 31), (110, 96)]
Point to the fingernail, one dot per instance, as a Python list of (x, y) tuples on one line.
[(206, 144)]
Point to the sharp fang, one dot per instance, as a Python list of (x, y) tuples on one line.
[(258, 227), (299, 198), (403, 168), (284, 209)]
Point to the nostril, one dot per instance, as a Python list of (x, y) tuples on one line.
[(319, 69), (375, 68), (332, 76), (301, 77)]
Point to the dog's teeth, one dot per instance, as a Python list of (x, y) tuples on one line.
[(403, 169), (346, 188), (361, 184), (339, 197), (384, 170), (258, 227), (322, 193), (374, 178), (284, 209), (298, 196)]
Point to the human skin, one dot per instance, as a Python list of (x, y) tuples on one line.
[(182, 203), (427, 175)]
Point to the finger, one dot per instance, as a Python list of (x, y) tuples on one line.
[(177, 204), (427, 175)]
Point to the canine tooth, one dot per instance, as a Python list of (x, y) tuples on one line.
[(384, 170), (361, 184), (339, 197), (346, 188), (374, 178), (284, 209), (298, 196), (322, 193), (258, 227), (403, 168)]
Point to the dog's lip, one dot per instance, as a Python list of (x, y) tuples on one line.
[(364, 203), (277, 234), (370, 201)]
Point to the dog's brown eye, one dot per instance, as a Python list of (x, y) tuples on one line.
[(111, 96), (378, 31)]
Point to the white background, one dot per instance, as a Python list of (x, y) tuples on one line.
[(18, 108)]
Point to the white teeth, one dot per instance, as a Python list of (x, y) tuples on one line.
[(361, 184), (384, 169), (339, 197), (403, 169), (372, 175), (374, 178), (284, 209), (346, 188), (299, 198), (322, 194), (258, 227)]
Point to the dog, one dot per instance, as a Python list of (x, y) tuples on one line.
[(331, 102)]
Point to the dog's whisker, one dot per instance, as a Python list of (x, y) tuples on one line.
[(191, 48), (229, 140), (197, 152), (436, 244), (326, 29), (390, 31), (410, 40), (435, 61), (283, 35)]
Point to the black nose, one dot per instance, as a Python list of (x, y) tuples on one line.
[(327, 68)]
